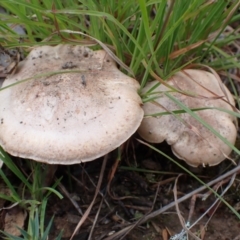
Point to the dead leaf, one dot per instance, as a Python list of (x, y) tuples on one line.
[(202, 232), (14, 218), (165, 235), (4, 190)]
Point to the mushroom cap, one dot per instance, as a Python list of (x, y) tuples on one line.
[(189, 139), (71, 117)]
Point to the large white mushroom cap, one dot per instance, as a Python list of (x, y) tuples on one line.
[(190, 140), (68, 118)]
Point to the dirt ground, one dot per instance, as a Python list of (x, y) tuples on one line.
[(133, 194), (142, 183), (223, 225)]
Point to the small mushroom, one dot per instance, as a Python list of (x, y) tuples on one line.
[(189, 139), (76, 107)]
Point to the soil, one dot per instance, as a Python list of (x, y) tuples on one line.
[(142, 183)]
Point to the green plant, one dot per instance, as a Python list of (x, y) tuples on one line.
[(35, 229), (150, 36), (32, 196)]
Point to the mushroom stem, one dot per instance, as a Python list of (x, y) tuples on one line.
[(49, 174)]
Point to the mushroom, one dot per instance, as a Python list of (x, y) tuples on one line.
[(72, 106), (190, 140)]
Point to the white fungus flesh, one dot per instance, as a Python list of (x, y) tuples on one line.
[(76, 106), (191, 140)]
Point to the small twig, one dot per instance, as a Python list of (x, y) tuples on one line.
[(95, 219), (137, 222), (215, 188), (110, 177), (100, 193), (217, 200), (172, 204), (9, 207), (186, 230), (79, 182), (85, 215), (64, 191), (126, 211), (192, 206), (237, 237)]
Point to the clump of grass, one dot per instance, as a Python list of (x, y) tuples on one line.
[(35, 229), (33, 196), (165, 35)]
